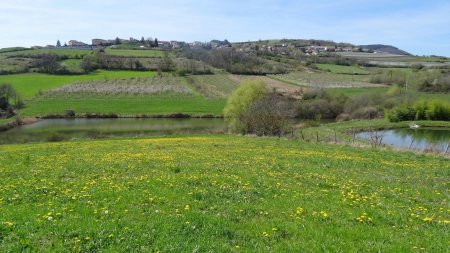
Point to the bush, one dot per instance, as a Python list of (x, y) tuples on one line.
[(265, 117), (327, 109), (248, 93), (252, 110), (69, 113), (421, 110)]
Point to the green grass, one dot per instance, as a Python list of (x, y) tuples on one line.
[(325, 80), (12, 49), (125, 106), (213, 86), (6, 121), (339, 69), (62, 52), (345, 130), (29, 85), (136, 53), (73, 65), (351, 92), (220, 194)]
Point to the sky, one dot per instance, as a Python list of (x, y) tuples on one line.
[(418, 26)]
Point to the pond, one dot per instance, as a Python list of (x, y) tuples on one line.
[(421, 138), (70, 129)]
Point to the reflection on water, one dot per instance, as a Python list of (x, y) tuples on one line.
[(421, 138), (68, 129)]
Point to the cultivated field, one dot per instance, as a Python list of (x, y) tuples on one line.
[(130, 106), (273, 84), (136, 53), (71, 53), (167, 85), (325, 80), (213, 86), (29, 85), (220, 194), (339, 69)]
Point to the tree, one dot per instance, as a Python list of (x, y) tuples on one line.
[(245, 96), (156, 42), (267, 116), (117, 41), (48, 63), (88, 64), (58, 43), (7, 93), (142, 40)]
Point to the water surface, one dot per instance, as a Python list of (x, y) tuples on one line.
[(69, 129), (421, 138)]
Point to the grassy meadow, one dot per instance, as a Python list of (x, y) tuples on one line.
[(29, 85), (125, 105), (136, 53), (71, 53), (220, 194), (325, 80), (339, 69)]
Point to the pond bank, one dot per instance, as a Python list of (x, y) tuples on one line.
[(93, 128), (344, 133)]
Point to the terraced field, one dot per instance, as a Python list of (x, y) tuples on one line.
[(273, 84), (166, 85), (136, 53), (72, 53), (30, 85), (133, 96), (325, 80), (338, 69), (213, 86)]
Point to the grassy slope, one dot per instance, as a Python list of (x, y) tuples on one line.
[(73, 65), (138, 53), (220, 194), (339, 69), (28, 85), (126, 106), (62, 52)]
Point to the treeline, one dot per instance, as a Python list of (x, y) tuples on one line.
[(234, 61), (318, 104), (426, 81), (330, 59), (420, 110)]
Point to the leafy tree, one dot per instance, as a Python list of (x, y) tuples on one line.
[(58, 43), (142, 40), (7, 93), (156, 43), (117, 41), (88, 64), (244, 97), (48, 63)]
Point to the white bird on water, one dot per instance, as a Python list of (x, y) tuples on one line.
[(414, 126)]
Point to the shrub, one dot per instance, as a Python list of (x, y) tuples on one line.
[(252, 110), (265, 117), (327, 109), (69, 113), (248, 93), (421, 110), (368, 112)]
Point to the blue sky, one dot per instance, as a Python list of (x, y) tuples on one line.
[(420, 27)]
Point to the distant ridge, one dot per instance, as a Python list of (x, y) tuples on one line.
[(385, 49)]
